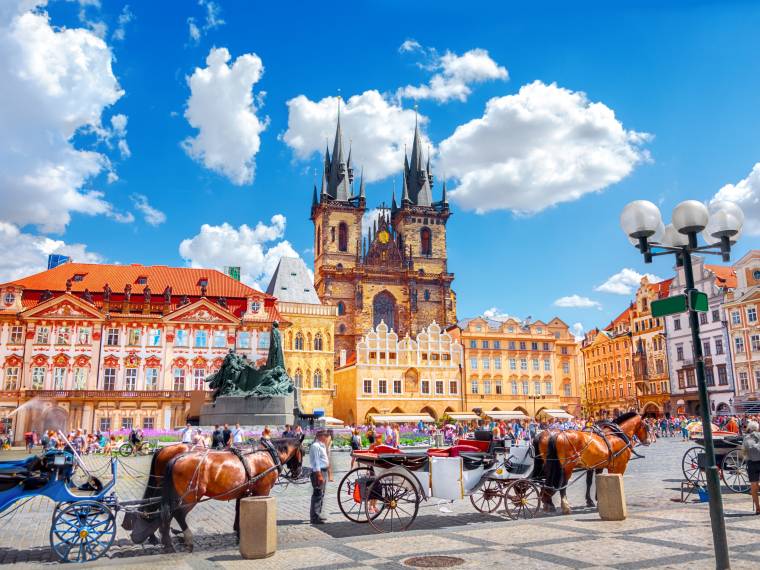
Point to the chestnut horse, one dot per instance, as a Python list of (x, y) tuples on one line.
[(609, 446), (224, 476)]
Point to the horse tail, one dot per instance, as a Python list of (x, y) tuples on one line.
[(169, 498), (554, 473), (538, 459)]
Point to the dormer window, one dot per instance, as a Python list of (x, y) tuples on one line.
[(203, 282), (142, 280), (78, 277)]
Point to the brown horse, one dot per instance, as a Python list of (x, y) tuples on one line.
[(224, 476), (558, 453)]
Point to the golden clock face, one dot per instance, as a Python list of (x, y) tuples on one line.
[(383, 236)]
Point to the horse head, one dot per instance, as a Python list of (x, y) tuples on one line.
[(291, 455), (634, 426)]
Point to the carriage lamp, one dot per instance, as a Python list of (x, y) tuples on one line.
[(720, 227)]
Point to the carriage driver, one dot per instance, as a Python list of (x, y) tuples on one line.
[(319, 461)]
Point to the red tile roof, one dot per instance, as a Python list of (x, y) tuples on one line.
[(724, 276), (624, 316), (662, 287)]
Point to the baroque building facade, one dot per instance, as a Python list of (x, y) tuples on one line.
[(520, 366), (392, 375), (716, 282), (119, 346), (308, 341), (395, 271)]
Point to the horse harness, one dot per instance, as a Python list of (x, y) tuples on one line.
[(617, 432), (249, 477)]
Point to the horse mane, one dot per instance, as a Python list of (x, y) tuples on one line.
[(281, 443), (625, 417)]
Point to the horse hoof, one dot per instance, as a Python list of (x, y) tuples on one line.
[(565, 511), (590, 504), (168, 549)]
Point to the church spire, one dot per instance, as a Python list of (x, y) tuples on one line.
[(417, 175), (338, 172), (314, 198), (362, 193)]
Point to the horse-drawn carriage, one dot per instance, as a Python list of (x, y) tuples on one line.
[(728, 457), (388, 486), (84, 520)]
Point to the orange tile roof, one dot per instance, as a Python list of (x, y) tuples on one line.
[(183, 280), (624, 316), (663, 287), (724, 276)]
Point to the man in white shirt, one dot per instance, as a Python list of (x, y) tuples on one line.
[(237, 436), (187, 434), (319, 461)]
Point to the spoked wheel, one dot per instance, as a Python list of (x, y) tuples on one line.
[(734, 472), (145, 448), (488, 496), (522, 499), (690, 466), (125, 449), (82, 531), (351, 503), (397, 501)]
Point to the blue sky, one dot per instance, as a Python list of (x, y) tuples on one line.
[(678, 82)]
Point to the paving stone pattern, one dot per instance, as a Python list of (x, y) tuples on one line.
[(659, 533)]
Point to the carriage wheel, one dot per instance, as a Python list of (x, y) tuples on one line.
[(734, 472), (690, 466), (397, 501), (82, 531), (522, 499), (351, 504), (145, 448), (125, 449), (487, 497)]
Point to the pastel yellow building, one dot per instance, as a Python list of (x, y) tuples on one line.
[(308, 342), (411, 375), (517, 366)]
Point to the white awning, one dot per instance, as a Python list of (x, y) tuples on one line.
[(331, 421), (499, 415), (401, 418), (680, 403), (558, 414), (462, 416)]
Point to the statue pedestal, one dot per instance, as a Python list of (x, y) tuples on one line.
[(250, 411)]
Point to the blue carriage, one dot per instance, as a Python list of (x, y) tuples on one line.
[(84, 520)]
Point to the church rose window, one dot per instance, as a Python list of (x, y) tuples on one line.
[(426, 241), (343, 237), (384, 309)]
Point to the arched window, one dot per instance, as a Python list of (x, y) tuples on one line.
[(317, 379), (299, 378), (384, 309), (318, 341), (341, 308), (426, 241), (342, 329), (299, 341), (343, 237)]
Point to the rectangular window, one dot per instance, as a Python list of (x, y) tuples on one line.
[(453, 388), (112, 337), (497, 363), (722, 375), (105, 424), (739, 344), (109, 379), (497, 344), (757, 378), (83, 335), (38, 378), (743, 381), (151, 378), (706, 347), (709, 377), (677, 324), (130, 379), (397, 387), (566, 367), (702, 318), (534, 346), (382, 386), (659, 366), (522, 345), (439, 387), (148, 423), (679, 352), (486, 386), (511, 345), (718, 346), (484, 344), (523, 364), (126, 423), (548, 387), (566, 389), (715, 315), (181, 337), (59, 378), (536, 387), (179, 379), (199, 375), (486, 364), (536, 366), (547, 365), (16, 336), (220, 339), (563, 350), (755, 342), (735, 318), (546, 346), (201, 339), (681, 383), (474, 363), (244, 339), (691, 379), (367, 386), (498, 388), (512, 364), (473, 344), (80, 378), (134, 336), (264, 340), (154, 337), (42, 336), (425, 387), (63, 336), (752, 315), (514, 388), (11, 378), (525, 387), (474, 386)]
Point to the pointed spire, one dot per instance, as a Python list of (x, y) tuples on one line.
[(394, 206), (416, 176), (405, 196), (444, 200), (362, 193), (314, 198), (324, 183)]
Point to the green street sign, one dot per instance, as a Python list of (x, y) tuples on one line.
[(669, 306), (698, 301)]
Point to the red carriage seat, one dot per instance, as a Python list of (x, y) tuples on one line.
[(454, 451), (382, 448), (483, 446)]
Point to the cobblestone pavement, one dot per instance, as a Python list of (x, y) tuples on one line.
[(659, 532)]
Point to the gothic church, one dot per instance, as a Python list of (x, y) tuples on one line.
[(396, 271)]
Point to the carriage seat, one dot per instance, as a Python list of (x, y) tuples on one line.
[(16, 465), (479, 445), (382, 448), (454, 451)]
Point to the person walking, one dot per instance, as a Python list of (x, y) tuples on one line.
[(186, 434), (237, 436), (227, 436), (751, 449), (217, 438), (319, 461), (356, 445)]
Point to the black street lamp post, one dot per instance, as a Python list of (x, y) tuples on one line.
[(720, 227)]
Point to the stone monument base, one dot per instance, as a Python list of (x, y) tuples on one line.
[(250, 411)]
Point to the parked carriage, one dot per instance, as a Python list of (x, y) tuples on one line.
[(84, 519), (728, 457), (388, 486)]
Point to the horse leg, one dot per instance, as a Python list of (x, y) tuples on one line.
[(589, 481), (166, 535), (564, 503), (236, 526), (187, 535)]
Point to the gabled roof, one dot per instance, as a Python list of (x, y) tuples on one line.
[(625, 316), (725, 277), (291, 282), (662, 287)]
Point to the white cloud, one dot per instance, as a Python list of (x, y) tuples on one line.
[(193, 30), (540, 147), (576, 301), (125, 17), (378, 128), (625, 282), (256, 250), (578, 330), (56, 82), (455, 74), (496, 314), (222, 108), (746, 194), (153, 216), (368, 220), (30, 252), (212, 20), (119, 132)]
